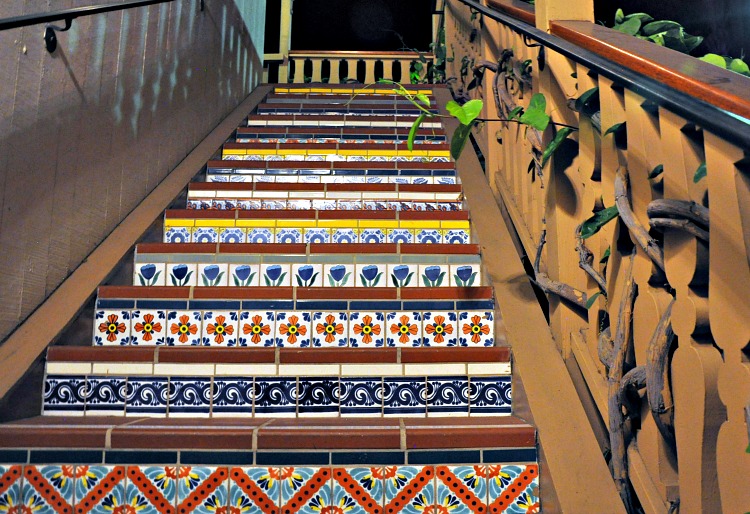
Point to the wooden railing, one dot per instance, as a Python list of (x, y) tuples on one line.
[(661, 359)]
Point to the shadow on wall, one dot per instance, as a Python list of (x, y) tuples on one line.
[(89, 131)]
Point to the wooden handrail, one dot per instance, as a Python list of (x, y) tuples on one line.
[(349, 54), (519, 9)]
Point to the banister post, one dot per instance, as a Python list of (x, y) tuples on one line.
[(552, 10), (285, 38)]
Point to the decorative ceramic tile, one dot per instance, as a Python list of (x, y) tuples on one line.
[(456, 236), (439, 328), (307, 275), (348, 205), (112, 327), (154, 488), (64, 394), (306, 490), (177, 235), (358, 489), (447, 396), (434, 275), (324, 205), (219, 328), (372, 235), (46, 489), (330, 329), (465, 275), (148, 327), (11, 489), (339, 275), (477, 329), (429, 236), (372, 275), (409, 489), (318, 396), (260, 235), (461, 489), (184, 328), (345, 235), (490, 396), (404, 396), (317, 235), (256, 328), (149, 274), (275, 396), (361, 396), (293, 329), (244, 275), (403, 275), (249, 205), (100, 489), (273, 205), (289, 235), (205, 235), (366, 329), (212, 275), (377, 205), (400, 235), (182, 275), (275, 275), (254, 490), (511, 488), (299, 204), (106, 395), (202, 489), (190, 396), (147, 396), (232, 396), (404, 329)]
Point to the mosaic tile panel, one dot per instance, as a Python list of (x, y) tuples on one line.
[(237, 236)]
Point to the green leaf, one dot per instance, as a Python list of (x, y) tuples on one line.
[(267, 281), (592, 225), (538, 101), (714, 59), (642, 16), (472, 109), (739, 66), (394, 279), (458, 141), (619, 16), (700, 173), (236, 281), (156, 277), (141, 279), (299, 281), (515, 112), (691, 42), (376, 280), (630, 27), (660, 26), (561, 135), (656, 171), (346, 278), (413, 131), (440, 279), (592, 299), (748, 449), (606, 255), (615, 128), (470, 282), (331, 282), (584, 99), (423, 98), (418, 66), (458, 280), (534, 115), (174, 280), (457, 111), (408, 278), (425, 281)]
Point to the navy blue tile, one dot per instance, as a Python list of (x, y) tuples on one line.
[(429, 305), (64, 393), (404, 395), (361, 395), (444, 457), (233, 394), (509, 455), (475, 305), (190, 395), (225, 305), (443, 173), (447, 395), (490, 395), (348, 172), (415, 173), (147, 395), (374, 305), (318, 395), (369, 458), (163, 304), (386, 173), (66, 457), (14, 456), (139, 457), (217, 458), (314, 172), (321, 305), (281, 172), (275, 395), (267, 305), (292, 458), (115, 304)]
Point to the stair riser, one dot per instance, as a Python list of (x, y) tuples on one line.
[(323, 204), (245, 396)]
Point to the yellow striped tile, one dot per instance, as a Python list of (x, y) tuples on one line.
[(177, 222), (438, 153), (236, 151), (337, 223), (378, 223), (419, 224), (295, 223), (454, 224), (255, 223), (214, 223)]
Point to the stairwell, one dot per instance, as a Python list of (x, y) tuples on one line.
[(314, 334)]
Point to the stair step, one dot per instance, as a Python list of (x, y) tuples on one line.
[(337, 120), (338, 134)]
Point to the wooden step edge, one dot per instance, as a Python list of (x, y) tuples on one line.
[(302, 249)]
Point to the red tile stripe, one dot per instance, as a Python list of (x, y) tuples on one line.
[(96, 495), (313, 485), (153, 494), (356, 491), (50, 495), (212, 483), (9, 477), (256, 494), (463, 493), (410, 491), (514, 490)]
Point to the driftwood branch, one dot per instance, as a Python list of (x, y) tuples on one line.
[(586, 261), (658, 389), (690, 217), (641, 236), (616, 419), (548, 285), (633, 380), (684, 225), (595, 116), (605, 347)]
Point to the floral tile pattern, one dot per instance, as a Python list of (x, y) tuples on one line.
[(330, 329), (202, 489), (476, 329), (254, 490), (439, 328), (48, 488), (112, 327), (305, 490), (358, 489), (219, 328), (184, 328), (409, 489), (293, 329), (148, 327), (244, 275), (154, 488), (257, 328), (366, 329), (404, 329)]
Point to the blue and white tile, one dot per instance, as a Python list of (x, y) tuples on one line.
[(317, 235), (249, 204), (244, 275), (256, 329), (273, 204), (189, 396), (148, 327), (400, 235), (404, 329), (64, 395), (490, 396), (299, 204), (184, 328), (440, 328), (147, 396), (233, 235), (339, 275), (205, 235), (307, 275), (177, 235), (219, 328), (181, 274), (361, 396), (345, 235), (377, 205), (260, 235), (477, 328), (428, 236), (447, 396), (367, 329), (318, 397), (465, 275), (456, 236), (213, 275), (105, 395), (275, 397), (371, 275), (112, 327), (289, 235), (275, 275), (434, 275), (372, 235), (149, 274), (403, 275), (324, 204), (330, 329), (405, 397), (232, 396), (293, 329)]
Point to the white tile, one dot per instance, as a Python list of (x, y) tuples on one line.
[(182, 369), (308, 370), (489, 368), (68, 368), (371, 370), (435, 369), (123, 368), (246, 370)]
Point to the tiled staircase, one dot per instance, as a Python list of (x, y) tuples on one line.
[(314, 334)]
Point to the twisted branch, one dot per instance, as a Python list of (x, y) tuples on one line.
[(586, 261), (684, 225), (690, 217), (548, 285), (658, 389), (605, 347), (633, 380)]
